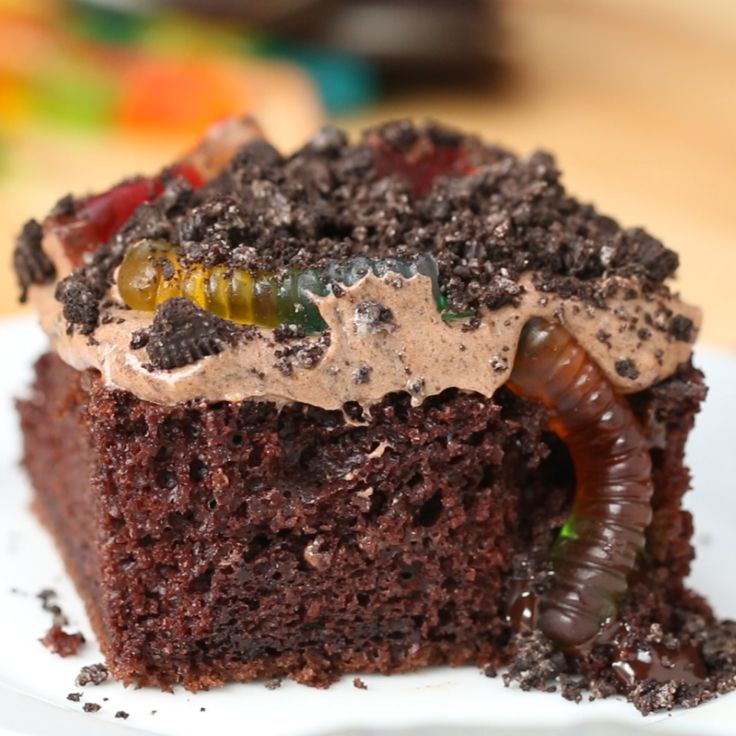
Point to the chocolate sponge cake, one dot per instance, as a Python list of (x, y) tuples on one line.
[(372, 406)]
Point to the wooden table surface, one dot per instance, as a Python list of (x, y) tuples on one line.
[(637, 99)]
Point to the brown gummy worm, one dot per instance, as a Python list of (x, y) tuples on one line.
[(605, 531)]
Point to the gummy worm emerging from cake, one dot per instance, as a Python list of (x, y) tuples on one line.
[(605, 531), (598, 545)]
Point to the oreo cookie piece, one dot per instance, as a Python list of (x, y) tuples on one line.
[(182, 334), (80, 301), (32, 265), (81, 292), (681, 328)]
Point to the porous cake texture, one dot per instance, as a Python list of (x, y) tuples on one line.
[(240, 541)]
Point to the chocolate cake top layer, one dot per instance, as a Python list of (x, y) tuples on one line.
[(509, 242)]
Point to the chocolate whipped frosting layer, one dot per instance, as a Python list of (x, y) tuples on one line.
[(385, 335), (509, 241)]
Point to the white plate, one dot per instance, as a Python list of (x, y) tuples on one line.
[(34, 683)]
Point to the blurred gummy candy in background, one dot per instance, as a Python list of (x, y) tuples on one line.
[(140, 71), (177, 67)]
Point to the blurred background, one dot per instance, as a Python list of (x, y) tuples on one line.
[(636, 98)]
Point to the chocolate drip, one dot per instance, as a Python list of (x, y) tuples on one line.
[(657, 662)]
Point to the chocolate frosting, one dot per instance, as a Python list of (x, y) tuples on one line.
[(385, 335), (509, 241)]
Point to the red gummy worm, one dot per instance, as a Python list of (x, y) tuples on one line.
[(98, 217)]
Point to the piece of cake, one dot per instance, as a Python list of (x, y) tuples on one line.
[(369, 407)]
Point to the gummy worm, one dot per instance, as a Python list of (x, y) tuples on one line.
[(605, 531), (151, 273)]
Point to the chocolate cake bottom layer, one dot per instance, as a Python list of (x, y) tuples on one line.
[(216, 542)]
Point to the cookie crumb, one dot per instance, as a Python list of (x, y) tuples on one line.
[(627, 369), (536, 663), (571, 688), (92, 674), (182, 333), (74, 697), (47, 596), (371, 316), (287, 331), (681, 328), (32, 265), (139, 339), (357, 682), (122, 714), (417, 386), (499, 364), (490, 670), (362, 374), (91, 707), (604, 337)]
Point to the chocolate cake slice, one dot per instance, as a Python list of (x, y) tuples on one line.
[(372, 406)]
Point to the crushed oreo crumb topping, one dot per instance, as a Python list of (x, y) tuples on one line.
[(65, 207), (471, 325), (91, 707), (81, 303), (535, 664), (302, 354), (362, 374), (490, 670), (417, 387), (32, 265), (182, 333), (627, 369), (487, 216), (139, 339), (81, 292), (604, 337), (719, 646), (372, 316), (681, 328), (285, 332)]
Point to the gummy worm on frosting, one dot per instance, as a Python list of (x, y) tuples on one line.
[(151, 273)]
